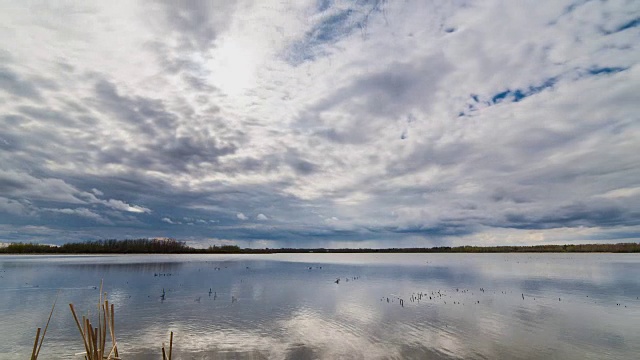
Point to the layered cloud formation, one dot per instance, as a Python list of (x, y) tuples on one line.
[(321, 123)]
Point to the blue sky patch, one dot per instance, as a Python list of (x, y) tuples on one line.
[(631, 24), (605, 70), (332, 28), (519, 94), (323, 5)]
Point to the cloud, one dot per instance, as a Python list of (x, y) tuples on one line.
[(379, 123), (241, 216), (13, 84), (13, 207), (29, 195), (169, 221), (621, 193), (23, 185), (82, 212), (121, 205), (197, 25)]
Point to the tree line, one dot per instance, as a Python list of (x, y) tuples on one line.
[(581, 248), (173, 246), (129, 246)]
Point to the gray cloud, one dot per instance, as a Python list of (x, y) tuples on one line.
[(15, 85), (14, 207), (192, 29), (82, 212), (144, 115), (197, 24), (158, 144), (396, 90), (31, 196), (577, 214)]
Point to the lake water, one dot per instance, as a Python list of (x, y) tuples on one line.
[(289, 306)]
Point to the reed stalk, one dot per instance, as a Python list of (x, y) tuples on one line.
[(94, 339), (37, 344), (164, 353)]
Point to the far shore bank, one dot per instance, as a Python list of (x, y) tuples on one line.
[(172, 246)]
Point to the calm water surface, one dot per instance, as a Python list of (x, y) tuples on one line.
[(582, 306)]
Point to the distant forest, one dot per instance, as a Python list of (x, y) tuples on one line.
[(172, 246), (134, 246)]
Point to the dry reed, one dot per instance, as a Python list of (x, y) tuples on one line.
[(164, 354), (94, 339), (37, 343)]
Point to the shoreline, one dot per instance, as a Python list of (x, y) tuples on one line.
[(172, 246)]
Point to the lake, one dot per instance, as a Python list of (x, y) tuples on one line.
[(291, 306)]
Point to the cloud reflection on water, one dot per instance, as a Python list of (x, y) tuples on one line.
[(287, 311)]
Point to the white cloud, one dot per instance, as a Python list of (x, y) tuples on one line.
[(121, 205), (241, 216), (82, 212), (621, 193), (262, 217)]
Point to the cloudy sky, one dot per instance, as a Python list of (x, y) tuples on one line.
[(320, 123)]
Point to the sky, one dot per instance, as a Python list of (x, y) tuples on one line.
[(328, 123)]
